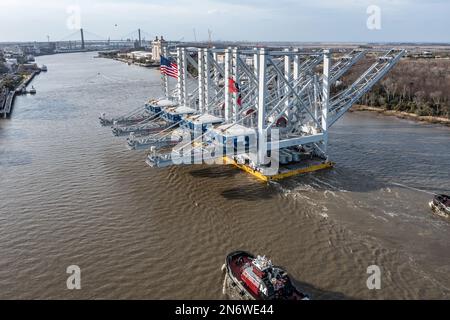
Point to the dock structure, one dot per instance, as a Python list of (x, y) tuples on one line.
[(8, 96), (5, 103), (267, 111)]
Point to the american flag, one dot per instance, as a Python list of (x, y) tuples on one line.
[(169, 68)]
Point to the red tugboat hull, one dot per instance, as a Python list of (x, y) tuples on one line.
[(245, 276)]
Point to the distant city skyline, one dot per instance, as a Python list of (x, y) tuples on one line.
[(232, 20)]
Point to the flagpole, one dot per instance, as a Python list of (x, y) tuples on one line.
[(165, 76)]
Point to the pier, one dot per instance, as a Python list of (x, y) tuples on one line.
[(7, 103)]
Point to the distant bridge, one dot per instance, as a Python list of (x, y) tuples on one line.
[(83, 40)]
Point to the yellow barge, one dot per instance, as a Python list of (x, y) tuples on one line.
[(285, 171)]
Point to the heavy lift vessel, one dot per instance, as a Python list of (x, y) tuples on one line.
[(264, 110)]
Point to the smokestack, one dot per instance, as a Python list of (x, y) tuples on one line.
[(82, 39)]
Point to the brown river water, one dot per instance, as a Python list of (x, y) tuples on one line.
[(71, 193)]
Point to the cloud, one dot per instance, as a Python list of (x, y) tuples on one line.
[(287, 20)]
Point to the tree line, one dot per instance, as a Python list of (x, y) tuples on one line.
[(420, 86)]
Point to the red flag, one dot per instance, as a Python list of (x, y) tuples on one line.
[(239, 101), (233, 86)]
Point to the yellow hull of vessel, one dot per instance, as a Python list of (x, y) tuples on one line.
[(280, 176)]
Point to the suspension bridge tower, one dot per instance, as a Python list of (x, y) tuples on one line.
[(83, 46)]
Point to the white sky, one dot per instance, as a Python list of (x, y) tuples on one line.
[(254, 20)]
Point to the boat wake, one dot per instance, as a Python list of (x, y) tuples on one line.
[(412, 188)]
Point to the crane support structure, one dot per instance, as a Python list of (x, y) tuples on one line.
[(266, 110)]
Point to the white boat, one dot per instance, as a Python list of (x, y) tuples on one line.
[(441, 205), (32, 90), (44, 68)]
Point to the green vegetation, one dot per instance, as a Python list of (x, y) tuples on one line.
[(108, 54), (419, 86), (3, 68), (11, 83)]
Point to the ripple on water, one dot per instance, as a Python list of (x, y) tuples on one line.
[(77, 196)]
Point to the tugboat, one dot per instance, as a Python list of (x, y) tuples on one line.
[(32, 90), (441, 205), (44, 68), (253, 278)]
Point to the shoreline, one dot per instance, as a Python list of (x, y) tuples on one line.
[(7, 108), (403, 115), (130, 61)]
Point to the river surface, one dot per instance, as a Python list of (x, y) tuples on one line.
[(72, 194)]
